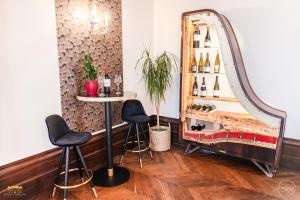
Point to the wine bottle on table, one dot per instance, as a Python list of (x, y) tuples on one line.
[(216, 88), (195, 87), (203, 88), (217, 63), (201, 64), (106, 83), (207, 40), (196, 37), (207, 64), (194, 65)]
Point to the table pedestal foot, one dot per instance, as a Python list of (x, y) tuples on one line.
[(120, 175)]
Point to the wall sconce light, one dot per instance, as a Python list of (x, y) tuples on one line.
[(99, 21)]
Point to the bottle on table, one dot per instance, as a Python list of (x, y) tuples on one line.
[(196, 37), (203, 88), (217, 63), (106, 83), (207, 40), (195, 87), (216, 88), (207, 64), (201, 64), (194, 65)]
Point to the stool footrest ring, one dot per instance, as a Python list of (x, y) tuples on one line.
[(77, 185), (137, 151)]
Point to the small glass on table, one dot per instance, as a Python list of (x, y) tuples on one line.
[(101, 84), (118, 81)]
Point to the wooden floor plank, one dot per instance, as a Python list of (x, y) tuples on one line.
[(172, 175)]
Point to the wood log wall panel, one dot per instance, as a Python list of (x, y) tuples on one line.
[(74, 39)]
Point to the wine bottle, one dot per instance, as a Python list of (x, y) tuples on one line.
[(200, 126), (106, 83), (217, 63), (194, 65), (196, 39), (207, 64), (193, 127), (195, 87), (207, 41), (216, 88), (201, 64), (203, 88)]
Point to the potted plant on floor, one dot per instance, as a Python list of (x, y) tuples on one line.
[(157, 74), (91, 83)]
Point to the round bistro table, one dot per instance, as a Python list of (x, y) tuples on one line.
[(110, 175)]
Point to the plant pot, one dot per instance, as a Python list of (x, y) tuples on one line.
[(160, 140), (91, 88)]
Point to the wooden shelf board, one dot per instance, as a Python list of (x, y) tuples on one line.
[(197, 73), (216, 112), (227, 99)]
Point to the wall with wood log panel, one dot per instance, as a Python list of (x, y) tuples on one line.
[(75, 39)]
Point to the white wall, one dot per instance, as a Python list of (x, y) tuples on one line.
[(137, 27), (268, 33), (29, 77)]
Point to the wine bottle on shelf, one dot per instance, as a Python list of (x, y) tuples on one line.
[(196, 37), (201, 64), (217, 63), (207, 40), (203, 88), (216, 88), (195, 87), (194, 65), (200, 126), (193, 127), (106, 83), (207, 64)]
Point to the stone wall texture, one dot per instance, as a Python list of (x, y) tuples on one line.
[(74, 40)]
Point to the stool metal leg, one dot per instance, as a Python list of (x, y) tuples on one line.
[(78, 164), (56, 179), (146, 140), (86, 170), (139, 144), (125, 145), (66, 172)]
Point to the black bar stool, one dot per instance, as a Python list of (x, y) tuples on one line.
[(60, 135), (133, 113)]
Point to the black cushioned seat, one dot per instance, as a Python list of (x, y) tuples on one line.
[(137, 119), (133, 113), (61, 135), (74, 138)]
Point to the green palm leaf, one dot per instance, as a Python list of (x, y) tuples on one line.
[(157, 74)]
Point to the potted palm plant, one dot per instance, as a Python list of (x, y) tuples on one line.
[(157, 74), (91, 83)]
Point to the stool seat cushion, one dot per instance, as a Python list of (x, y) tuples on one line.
[(73, 138), (137, 119)]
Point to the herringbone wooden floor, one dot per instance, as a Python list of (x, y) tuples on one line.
[(173, 175)]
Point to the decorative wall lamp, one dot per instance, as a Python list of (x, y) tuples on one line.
[(98, 21)]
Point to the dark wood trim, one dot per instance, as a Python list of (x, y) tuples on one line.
[(290, 157)]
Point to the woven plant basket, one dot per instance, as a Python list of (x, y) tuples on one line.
[(160, 140)]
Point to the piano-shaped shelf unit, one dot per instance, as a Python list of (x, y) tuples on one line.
[(240, 123)]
